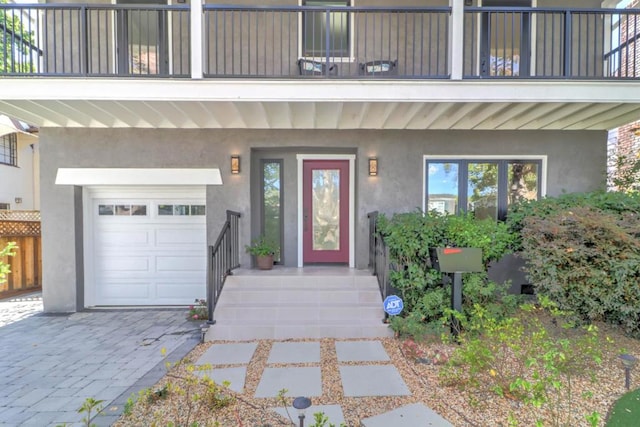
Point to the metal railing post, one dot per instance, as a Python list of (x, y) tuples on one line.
[(568, 40)]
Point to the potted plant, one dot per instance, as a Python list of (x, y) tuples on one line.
[(264, 250)]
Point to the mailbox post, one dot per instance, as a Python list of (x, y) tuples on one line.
[(458, 261)]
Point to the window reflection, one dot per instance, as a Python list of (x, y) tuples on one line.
[(443, 188)]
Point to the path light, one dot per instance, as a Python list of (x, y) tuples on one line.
[(301, 404), (629, 362)]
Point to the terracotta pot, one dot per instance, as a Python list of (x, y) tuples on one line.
[(265, 262)]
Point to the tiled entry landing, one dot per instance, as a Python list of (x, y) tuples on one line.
[(291, 303)]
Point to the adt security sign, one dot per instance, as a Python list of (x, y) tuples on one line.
[(393, 305)]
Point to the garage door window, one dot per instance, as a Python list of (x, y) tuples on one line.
[(181, 210), (122, 210)]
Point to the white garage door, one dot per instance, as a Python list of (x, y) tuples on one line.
[(147, 250)]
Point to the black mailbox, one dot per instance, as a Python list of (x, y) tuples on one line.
[(458, 261)]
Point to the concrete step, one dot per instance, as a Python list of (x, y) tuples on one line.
[(273, 306), (258, 330)]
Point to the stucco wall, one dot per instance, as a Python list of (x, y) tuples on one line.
[(576, 162)]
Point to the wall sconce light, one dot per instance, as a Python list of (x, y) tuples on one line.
[(235, 164), (18, 200), (468, 2), (373, 166)]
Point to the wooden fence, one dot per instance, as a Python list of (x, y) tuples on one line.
[(23, 228)]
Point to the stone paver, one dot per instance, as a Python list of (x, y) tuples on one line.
[(20, 307), (298, 382), (228, 354), (361, 351), (372, 380), (407, 416), (295, 352), (52, 363), (332, 412)]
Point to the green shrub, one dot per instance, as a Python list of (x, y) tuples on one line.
[(410, 236), (7, 251), (530, 357), (587, 259), (612, 202)]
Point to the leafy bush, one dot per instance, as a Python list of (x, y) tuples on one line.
[(7, 251), (410, 236), (529, 357), (612, 202), (587, 260)]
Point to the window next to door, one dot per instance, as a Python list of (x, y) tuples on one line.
[(484, 186)]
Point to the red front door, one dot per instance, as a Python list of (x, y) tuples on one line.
[(325, 213)]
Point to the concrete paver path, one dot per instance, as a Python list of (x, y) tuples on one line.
[(51, 363)]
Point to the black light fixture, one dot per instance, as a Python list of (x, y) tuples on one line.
[(628, 362), (235, 164), (301, 404), (373, 166), (468, 2)]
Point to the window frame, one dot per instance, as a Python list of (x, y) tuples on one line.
[(501, 160), (9, 144), (349, 4)]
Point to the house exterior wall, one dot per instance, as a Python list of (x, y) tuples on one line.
[(576, 162), (22, 182)]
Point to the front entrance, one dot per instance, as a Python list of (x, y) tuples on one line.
[(325, 211)]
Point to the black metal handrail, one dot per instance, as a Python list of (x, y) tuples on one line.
[(326, 41), (223, 257), (98, 40), (551, 43), (378, 255)]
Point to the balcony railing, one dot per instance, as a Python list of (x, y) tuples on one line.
[(551, 43), (94, 40), (334, 42), (107, 40)]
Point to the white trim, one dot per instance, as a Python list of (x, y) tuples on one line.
[(133, 176), (197, 47), (352, 201), (542, 158)]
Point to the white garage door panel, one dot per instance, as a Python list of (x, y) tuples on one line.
[(184, 236), (181, 263), (115, 291), (123, 264), (177, 291), (107, 237), (147, 258)]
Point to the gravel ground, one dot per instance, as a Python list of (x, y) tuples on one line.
[(422, 379)]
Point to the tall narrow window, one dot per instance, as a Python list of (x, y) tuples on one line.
[(506, 39), (9, 149), (271, 195), (143, 38), (482, 189), (442, 187), (329, 24)]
